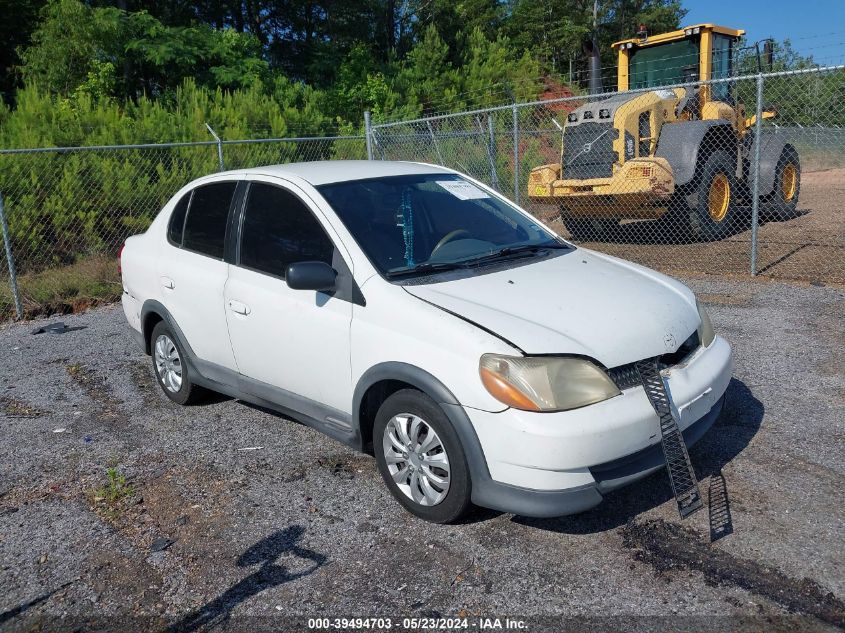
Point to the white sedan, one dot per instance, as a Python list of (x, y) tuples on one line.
[(413, 313)]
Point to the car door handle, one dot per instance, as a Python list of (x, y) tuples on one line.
[(167, 282), (239, 308)]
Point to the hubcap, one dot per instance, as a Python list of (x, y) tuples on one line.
[(718, 198), (789, 182), (168, 363), (416, 459)]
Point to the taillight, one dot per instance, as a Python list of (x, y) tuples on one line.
[(119, 263)]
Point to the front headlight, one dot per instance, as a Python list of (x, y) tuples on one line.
[(545, 383), (706, 334)]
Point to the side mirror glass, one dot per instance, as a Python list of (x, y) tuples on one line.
[(311, 276)]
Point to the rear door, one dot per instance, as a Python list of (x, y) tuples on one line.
[(293, 345), (193, 270)]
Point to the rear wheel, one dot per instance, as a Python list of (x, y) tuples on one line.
[(783, 201), (714, 212), (420, 457), (590, 229), (171, 370)]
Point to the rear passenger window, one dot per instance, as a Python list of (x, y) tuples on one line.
[(177, 220), (205, 228), (278, 229)]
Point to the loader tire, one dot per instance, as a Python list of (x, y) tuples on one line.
[(782, 202), (713, 213)]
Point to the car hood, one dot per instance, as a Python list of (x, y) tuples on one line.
[(578, 302)]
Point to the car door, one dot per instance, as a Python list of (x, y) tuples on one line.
[(291, 346), (193, 271)]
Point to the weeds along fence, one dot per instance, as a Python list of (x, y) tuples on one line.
[(68, 210), (737, 229)]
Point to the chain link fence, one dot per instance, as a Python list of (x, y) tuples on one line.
[(698, 195), (68, 210), (688, 196)]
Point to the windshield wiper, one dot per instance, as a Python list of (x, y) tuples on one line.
[(426, 267), (523, 250)]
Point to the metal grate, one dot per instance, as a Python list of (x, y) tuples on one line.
[(625, 376), (678, 465), (588, 150)]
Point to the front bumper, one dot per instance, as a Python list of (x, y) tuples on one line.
[(607, 477), (640, 188), (551, 464)]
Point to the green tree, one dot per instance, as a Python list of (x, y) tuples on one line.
[(75, 44), (427, 77), (493, 72), (20, 20), (554, 30), (69, 43)]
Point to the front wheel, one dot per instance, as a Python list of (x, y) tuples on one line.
[(714, 212), (420, 457)]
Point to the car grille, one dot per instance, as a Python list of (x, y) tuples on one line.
[(598, 161), (627, 376)]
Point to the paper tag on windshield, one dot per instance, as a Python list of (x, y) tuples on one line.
[(462, 189)]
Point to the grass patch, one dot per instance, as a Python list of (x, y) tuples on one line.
[(88, 282), (109, 499), (17, 409)]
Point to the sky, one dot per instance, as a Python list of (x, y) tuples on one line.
[(815, 27)]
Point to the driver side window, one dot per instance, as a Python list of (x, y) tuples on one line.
[(279, 229)]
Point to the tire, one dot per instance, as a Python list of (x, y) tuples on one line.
[(442, 497), (782, 203), (714, 211), (171, 371), (589, 229)]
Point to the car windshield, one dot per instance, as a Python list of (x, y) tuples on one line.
[(429, 222)]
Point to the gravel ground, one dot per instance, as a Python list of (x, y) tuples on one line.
[(235, 517), (807, 247)]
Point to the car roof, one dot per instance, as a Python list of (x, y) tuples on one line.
[(330, 171)]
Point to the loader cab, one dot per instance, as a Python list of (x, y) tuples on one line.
[(695, 53)]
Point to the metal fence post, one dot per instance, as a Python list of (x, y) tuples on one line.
[(219, 147), (13, 278), (755, 185), (515, 154), (434, 142), (368, 134), (491, 151)]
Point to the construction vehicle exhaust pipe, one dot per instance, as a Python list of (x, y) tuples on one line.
[(591, 50)]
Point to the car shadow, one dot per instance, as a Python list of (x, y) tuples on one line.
[(212, 397), (271, 573), (733, 430)]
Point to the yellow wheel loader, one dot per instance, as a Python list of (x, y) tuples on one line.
[(685, 152)]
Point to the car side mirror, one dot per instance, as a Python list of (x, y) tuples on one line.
[(311, 276)]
